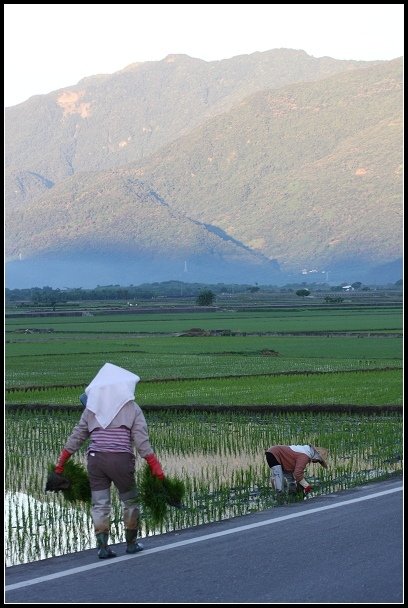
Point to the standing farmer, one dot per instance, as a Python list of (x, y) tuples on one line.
[(115, 424), (293, 459)]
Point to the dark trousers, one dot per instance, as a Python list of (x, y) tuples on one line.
[(271, 460), (105, 468)]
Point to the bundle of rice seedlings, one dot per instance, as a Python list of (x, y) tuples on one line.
[(156, 494), (79, 489)]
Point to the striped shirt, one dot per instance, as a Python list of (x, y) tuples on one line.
[(110, 440), (129, 421)]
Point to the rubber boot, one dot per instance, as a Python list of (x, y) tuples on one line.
[(131, 545), (289, 483), (104, 552), (277, 477)]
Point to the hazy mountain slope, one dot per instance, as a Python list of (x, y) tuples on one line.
[(75, 236), (90, 214), (110, 120), (305, 176), (316, 163)]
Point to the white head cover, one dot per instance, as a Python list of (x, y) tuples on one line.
[(108, 392), (303, 449)]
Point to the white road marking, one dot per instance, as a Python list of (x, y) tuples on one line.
[(182, 543)]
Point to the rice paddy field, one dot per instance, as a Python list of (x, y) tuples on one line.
[(332, 377)]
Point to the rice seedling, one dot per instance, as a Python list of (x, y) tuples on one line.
[(156, 494), (218, 457), (346, 388), (78, 489)]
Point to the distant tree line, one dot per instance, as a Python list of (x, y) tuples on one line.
[(47, 296), (171, 289)]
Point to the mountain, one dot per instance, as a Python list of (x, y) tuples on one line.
[(248, 169), (76, 226)]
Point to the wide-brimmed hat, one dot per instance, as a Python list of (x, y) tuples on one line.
[(322, 455)]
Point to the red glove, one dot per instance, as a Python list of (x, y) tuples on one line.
[(307, 489), (155, 466), (62, 458)]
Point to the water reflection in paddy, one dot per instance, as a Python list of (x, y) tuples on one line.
[(220, 458)]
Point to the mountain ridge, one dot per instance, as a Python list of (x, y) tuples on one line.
[(301, 175)]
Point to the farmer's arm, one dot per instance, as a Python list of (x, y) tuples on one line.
[(140, 434), (301, 461), (74, 442), (140, 437), (79, 434)]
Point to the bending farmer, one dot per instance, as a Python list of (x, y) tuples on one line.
[(115, 425), (293, 459)]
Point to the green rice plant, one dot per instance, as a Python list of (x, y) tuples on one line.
[(367, 318), (358, 388), (376, 387), (218, 456), (27, 374), (67, 351), (299, 347), (79, 488), (156, 494)]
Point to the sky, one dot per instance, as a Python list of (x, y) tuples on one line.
[(51, 46)]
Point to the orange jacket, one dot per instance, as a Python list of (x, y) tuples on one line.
[(290, 461)]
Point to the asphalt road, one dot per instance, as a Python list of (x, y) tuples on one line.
[(342, 548)]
